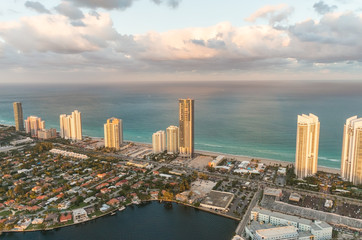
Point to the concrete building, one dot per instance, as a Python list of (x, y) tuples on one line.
[(33, 124), (18, 116), (71, 126), (351, 160), (113, 133), (80, 215), (260, 231), (47, 133), (216, 161), (320, 230), (159, 141), (217, 200), (172, 139), (306, 156), (285, 232), (186, 124)]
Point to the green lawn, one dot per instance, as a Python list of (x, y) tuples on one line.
[(5, 213)]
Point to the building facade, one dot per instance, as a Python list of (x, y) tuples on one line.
[(306, 156), (18, 116), (113, 133), (33, 124), (159, 142), (71, 126), (186, 127), (172, 139), (351, 160), (47, 133), (320, 230)]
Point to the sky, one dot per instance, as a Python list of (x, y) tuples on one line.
[(99, 41)]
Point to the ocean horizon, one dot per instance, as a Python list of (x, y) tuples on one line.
[(256, 119)]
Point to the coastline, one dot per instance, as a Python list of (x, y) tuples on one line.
[(266, 161)]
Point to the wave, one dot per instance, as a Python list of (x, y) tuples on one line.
[(210, 145), (329, 159)]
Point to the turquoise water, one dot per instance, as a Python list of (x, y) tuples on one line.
[(252, 119), (149, 222)]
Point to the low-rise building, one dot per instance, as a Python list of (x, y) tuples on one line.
[(320, 230), (80, 215), (216, 161), (217, 200), (47, 133), (65, 217)]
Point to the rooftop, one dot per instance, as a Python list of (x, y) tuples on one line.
[(218, 199)]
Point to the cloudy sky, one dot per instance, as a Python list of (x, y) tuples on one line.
[(179, 40)]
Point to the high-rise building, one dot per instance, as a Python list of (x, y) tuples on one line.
[(18, 116), (71, 126), (172, 139), (186, 131), (33, 124), (351, 160), (159, 141), (113, 133), (306, 156)]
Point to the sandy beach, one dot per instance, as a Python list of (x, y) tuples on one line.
[(248, 158)]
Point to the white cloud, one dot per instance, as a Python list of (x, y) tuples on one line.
[(273, 13), (57, 42)]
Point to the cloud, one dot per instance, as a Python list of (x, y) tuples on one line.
[(69, 10), (119, 4), (273, 13), (322, 8), (40, 34), (173, 3), (37, 6), (105, 4), (93, 43)]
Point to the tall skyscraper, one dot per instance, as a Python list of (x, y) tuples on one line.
[(33, 124), (113, 133), (351, 161), (159, 141), (186, 132), (18, 116), (172, 139), (71, 126), (306, 156)]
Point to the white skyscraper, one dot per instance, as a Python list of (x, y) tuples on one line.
[(351, 160), (306, 156), (113, 133), (71, 126), (159, 141), (172, 139)]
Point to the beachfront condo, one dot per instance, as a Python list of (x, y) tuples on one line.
[(306, 156), (186, 127), (71, 126), (159, 141), (33, 124), (172, 139), (18, 116), (113, 133), (351, 160)]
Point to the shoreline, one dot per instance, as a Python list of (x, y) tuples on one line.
[(115, 210), (266, 161)]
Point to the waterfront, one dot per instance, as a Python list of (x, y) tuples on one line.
[(245, 118), (150, 221)]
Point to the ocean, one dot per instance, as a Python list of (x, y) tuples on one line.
[(246, 118)]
